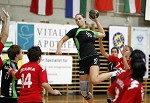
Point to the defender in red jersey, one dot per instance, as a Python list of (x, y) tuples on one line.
[(127, 88), (121, 63), (33, 77)]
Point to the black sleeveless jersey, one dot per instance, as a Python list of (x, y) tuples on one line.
[(8, 84), (84, 40)]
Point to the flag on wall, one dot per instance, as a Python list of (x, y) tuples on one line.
[(74, 7), (104, 5), (147, 9), (42, 7), (132, 6)]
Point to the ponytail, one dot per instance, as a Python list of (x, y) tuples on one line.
[(138, 65)]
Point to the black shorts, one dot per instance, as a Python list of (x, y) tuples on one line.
[(87, 62), (8, 100)]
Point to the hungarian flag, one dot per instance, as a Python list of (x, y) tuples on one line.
[(104, 5), (42, 7), (132, 6), (74, 7)]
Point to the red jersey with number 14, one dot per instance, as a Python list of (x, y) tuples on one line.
[(126, 90), (32, 76)]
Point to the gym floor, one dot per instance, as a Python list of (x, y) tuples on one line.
[(78, 99)]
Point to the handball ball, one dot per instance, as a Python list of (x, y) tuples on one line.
[(93, 14)]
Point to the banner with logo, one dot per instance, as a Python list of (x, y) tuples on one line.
[(118, 37), (25, 35), (140, 40), (46, 36)]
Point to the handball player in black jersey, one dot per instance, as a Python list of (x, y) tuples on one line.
[(89, 63)]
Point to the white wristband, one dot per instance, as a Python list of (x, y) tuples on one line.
[(114, 73)]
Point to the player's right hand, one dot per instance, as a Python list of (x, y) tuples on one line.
[(56, 92), (6, 13)]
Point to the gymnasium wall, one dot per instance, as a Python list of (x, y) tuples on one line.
[(20, 11)]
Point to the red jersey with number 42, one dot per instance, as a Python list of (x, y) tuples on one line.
[(117, 61), (32, 76), (126, 90)]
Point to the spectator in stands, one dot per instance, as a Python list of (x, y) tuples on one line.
[(88, 57), (127, 88), (4, 32), (33, 77), (9, 84)]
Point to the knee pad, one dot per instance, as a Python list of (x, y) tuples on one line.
[(84, 88), (87, 95)]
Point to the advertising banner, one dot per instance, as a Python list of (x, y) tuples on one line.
[(118, 37), (140, 40), (46, 36)]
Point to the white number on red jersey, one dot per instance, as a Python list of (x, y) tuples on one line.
[(26, 80), (134, 84)]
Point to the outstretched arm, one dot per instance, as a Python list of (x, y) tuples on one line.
[(126, 65), (125, 53), (105, 54), (60, 43), (50, 89), (5, 26)]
